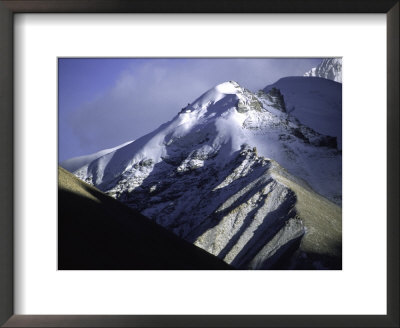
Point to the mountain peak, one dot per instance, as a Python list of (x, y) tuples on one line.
[(329, 68), (207, 176), (227, 87), (217, 93)]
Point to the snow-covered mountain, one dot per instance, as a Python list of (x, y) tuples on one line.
[(236, 174), (329, 68)]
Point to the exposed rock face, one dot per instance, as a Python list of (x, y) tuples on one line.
[(329, 68), (249, 214), (207, 176), (249, 101), (275, 98), (240, 212), (288, 236)]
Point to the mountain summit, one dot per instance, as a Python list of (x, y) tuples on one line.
[(238, 175)]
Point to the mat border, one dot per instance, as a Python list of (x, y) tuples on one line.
[(10, 7)]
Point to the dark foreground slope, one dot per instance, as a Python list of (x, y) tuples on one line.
[(97, 232)]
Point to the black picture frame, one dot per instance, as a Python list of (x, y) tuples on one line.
[(10, 7)]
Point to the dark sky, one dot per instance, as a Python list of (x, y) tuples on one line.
[(104, 102)]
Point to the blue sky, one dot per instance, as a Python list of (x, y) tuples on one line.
[(104, 102)]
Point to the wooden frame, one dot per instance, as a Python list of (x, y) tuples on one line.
[(7, 10)]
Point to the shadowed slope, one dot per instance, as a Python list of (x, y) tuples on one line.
[(316, 102), (97, 232)]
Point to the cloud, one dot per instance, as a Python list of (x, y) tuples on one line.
[(150, 93)]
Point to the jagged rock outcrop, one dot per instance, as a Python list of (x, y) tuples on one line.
[(275, 99)]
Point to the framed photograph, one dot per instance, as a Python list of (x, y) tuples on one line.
[(231, 173), (199, 165)]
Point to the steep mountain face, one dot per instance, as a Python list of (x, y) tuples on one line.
[(211, 175), (329, 68), (315, 102)]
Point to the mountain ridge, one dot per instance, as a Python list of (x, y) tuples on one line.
[(211, 176)]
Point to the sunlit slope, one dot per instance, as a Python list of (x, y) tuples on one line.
[(97, 232), (269, 219), (321, 245)]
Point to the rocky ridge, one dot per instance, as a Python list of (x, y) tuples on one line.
[(208, 176)]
